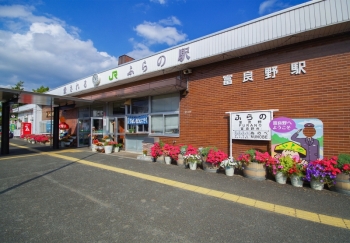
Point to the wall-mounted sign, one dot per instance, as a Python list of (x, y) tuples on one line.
[(138, 120), (299, 138), (251, 125), (49, 114)]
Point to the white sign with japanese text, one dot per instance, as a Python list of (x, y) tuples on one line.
[(251, 125)]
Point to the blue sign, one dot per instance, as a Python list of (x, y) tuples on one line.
[(138, 120), (48, 126)]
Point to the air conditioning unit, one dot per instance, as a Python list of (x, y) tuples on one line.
[(187, 71)]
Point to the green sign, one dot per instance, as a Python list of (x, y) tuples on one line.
[(12, 127)]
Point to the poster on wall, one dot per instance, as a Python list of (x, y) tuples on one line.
[(299, 138), (26, 128), (251, 125)]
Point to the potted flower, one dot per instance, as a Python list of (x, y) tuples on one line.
[(156, 151), (214, 159), (180, 156), (320, 172), (109, 146), (166, 152), (280, 168), (229, 165), (65, 142), (343, 179), (297, 173), (93, 144), (106, 138), (253, 168), (99, 146), (174, 152), (205, 151), (144, 152), (192, 157)]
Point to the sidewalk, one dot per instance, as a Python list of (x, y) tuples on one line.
[(325, 202)]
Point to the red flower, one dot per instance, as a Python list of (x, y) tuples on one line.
[(216, 157)]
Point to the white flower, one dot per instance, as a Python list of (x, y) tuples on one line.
[(229, 162)]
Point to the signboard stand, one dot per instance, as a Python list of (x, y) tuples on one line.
[(250, 125)]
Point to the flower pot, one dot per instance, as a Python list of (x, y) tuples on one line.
[(108, 149), (167, 160), (193, 166), (316, 185), (180, 161), (116, 149), (93, 147), (208, 167), (229, 170), (342, 184), (281, 178), (160, 159), (296, 181), (255, 171)]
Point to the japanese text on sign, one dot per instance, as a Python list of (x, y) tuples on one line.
[(251, 125)]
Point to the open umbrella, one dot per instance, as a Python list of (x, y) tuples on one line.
[(63, 126)]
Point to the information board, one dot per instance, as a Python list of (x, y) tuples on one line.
[(251, 125)]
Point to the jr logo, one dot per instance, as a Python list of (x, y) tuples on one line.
[(114, 75)]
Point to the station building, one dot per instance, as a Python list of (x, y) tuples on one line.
[(295, 61)]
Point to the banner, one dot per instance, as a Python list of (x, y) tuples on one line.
[(26, 128), (138, 120)]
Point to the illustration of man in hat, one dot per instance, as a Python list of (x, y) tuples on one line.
[(311, 145), (295, 151)]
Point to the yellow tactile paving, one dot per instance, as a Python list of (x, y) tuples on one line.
[(291, 212)]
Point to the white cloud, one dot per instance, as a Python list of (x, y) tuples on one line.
[(140, 50), (159, 1), (45, 51), (270, 6), (157, 33), (266, 6), (170, 21)]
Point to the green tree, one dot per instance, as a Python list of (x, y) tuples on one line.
[(18, 86), (41, 89)]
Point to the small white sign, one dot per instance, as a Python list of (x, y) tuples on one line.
[(227, 79), (252, 125)]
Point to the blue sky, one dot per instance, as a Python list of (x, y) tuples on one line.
[(53, 42)]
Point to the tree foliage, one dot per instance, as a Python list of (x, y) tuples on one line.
[(41, 89), (18, 86)]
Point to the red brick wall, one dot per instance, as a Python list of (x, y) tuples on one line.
[(323, 93)]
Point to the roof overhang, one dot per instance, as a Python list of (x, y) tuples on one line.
[(26, 97)]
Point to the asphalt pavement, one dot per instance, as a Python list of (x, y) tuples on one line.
[(76, 195)]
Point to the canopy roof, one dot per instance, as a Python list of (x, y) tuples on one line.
[(26, 97)]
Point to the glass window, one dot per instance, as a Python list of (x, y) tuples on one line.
[(84, 112), (97, 111), (142, 128), (165, 124), (157, 124), (165, 103), (139, 105), (118, 108), (171, 123)]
